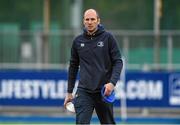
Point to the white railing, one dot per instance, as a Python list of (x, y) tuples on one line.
[(29, 51)]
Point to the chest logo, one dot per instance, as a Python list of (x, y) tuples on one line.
[(100, 44), (82, 44)]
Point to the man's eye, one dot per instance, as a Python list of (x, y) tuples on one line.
[(92, 19), (87, 19)]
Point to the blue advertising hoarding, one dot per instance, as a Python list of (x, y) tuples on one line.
[(48, 88), (32, 88), (147, 89)]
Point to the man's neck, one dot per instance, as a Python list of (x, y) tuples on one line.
[(90, 33)]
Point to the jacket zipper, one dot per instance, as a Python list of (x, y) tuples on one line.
[(92, 36)]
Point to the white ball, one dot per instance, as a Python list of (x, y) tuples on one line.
[(70, 107)]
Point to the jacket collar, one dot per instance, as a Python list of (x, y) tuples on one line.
[(100, 29)]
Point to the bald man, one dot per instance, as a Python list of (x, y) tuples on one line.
[(96, 52)]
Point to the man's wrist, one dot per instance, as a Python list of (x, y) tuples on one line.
[(69, 94), (112, 84)]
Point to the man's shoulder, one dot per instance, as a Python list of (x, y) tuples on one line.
[(109, 33), (78, 37)]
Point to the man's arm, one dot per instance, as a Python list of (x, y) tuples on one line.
[(117, 64), (72, 73), (73, 68), (116, 60)]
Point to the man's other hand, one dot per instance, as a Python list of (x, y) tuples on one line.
[(68, 98), (109, 87)]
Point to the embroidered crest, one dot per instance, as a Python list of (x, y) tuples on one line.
[(82, 44), (100, 44)]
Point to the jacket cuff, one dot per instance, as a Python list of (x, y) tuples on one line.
[(114, 83), (70, 90)]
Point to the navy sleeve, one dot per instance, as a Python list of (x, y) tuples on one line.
[(73, 68), (116, 60)]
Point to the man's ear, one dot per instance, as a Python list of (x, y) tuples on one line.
[(83, 23), (99, 20)]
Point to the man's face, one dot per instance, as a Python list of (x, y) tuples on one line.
[(91, 21)]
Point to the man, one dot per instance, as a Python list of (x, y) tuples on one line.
[(97, 54)]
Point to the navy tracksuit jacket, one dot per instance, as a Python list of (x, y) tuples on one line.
[(98, 58)]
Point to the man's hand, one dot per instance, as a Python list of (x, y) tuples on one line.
[(109, 87), (69, 98)]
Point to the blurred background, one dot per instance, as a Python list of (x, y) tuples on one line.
[(35, 43)]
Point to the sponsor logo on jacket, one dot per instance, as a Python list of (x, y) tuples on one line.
[(100, 44)]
